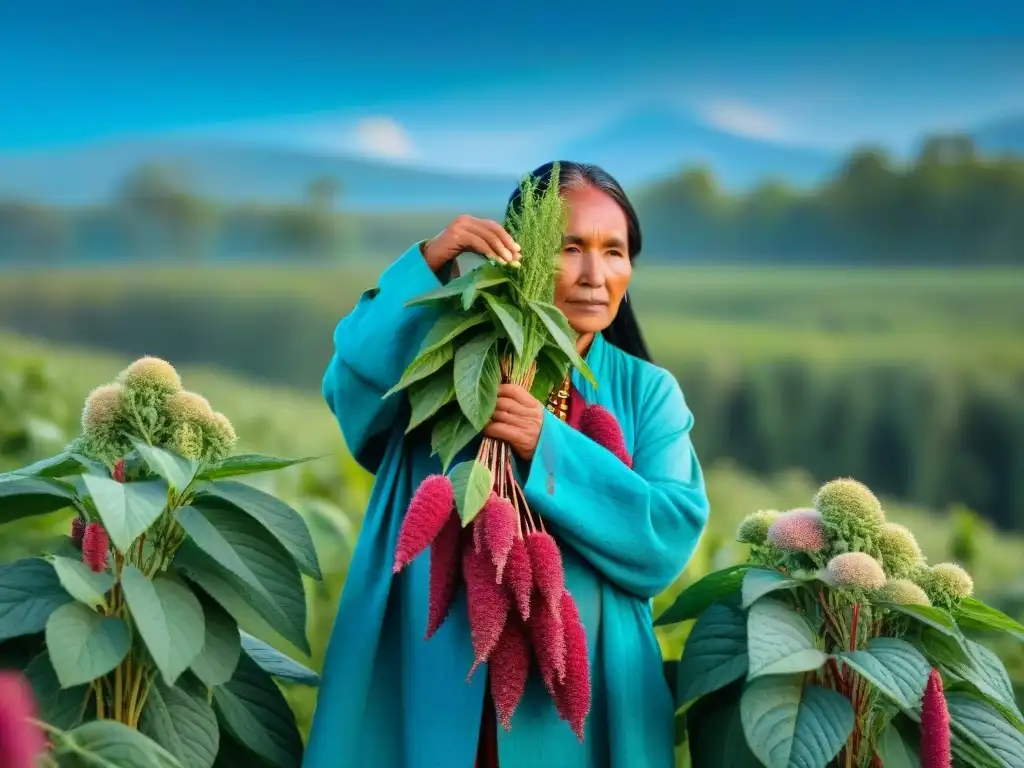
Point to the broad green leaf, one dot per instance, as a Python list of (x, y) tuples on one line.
[(788, 725), (247, 464), (451, 433), (60, 707), (894, 667), (181, 721), (83, 644), (110, 744), (232, 754), (428, 396), (29, 496), (472, 482), (780, 641), (215, 534), (563, 335), (276, 664), (510, 318), (423, 366), (276, 571), (980, 725), (928, 615), (30, 591), (178, 471), (81, 582), (486, 275), (758, 582), (718, 741), (895, 751), (974, 663), (284, 523), (974, 614), (447, 328), (476, 379), (126, 509), (715, 653), (217, 660), (169, 618), (63, 464), (251, 707), (698, 597)]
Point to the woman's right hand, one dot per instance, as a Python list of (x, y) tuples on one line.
[(468, 233)]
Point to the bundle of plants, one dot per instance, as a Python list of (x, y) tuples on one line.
[(130, 628), (497, 324), (837, 644)]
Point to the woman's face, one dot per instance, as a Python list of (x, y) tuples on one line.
[(595, 261)]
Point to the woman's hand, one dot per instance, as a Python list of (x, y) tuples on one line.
[(517, 420), (467, 233)]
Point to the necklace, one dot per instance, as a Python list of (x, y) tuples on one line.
[(558, 402)]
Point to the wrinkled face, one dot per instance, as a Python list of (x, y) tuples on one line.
[(595, 261)]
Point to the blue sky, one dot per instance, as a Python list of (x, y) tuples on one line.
[(452, 85)]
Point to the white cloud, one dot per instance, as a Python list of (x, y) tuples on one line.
[(383, 137), (743, 120)]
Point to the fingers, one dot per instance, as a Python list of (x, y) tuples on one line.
[(497, 430), (512, 407), (517, 394), (502, 235), (487, 238)]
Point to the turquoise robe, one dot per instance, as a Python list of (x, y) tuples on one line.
[(389, 699)]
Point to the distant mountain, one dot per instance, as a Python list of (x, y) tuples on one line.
[(240, 172), (1004, 136), (657, 142)]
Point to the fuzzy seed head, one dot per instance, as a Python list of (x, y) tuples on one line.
[(151, 373), (903, 592), (21, 741), (445, 572), (754, 527), (428, 511), (102, 407), (500, 525), (519, 577), (220, 436), (572, 695), (77, 530), (798, 531), (947, 584), (546, 562), (847, 500), (899, 550), (935, 736), (187, 441), (95, 545), (856, 569), (548, 638), (487, 604), (508, 669), (603, 428), (118, 473), (189, 406)]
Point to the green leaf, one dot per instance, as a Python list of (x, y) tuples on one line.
[(222, 645), (428, 396), (247, 464), (788, 725), (563, 336), (510, 318), (178, 471), (974, 614), (29, 496), (486, 275), (276, 664), (975, 664), (928, 615), (126, 509), (780, 641), (895, 751), (476, 379), (284, 523), (251, 707), (60, 707), (81, 582), (451, 433), (447, 328), (981, 726), (472, 482), (894, 667), (182, 722), (110, 744), (699, 596), (550, 374), (84, 645), (423, 366), (718, 741), (715, 653), (30, 591), (758, 582)]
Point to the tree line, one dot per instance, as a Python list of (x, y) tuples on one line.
[(946, 205)]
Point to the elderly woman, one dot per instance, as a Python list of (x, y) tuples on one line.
[(390, 700)]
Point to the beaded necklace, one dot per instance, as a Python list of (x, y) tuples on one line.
[(558, 402)]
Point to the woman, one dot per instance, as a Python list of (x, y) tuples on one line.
[(391, 700)]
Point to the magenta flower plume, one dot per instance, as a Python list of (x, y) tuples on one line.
[(546, 562), (509, 667), (572, 697), (798, 531), (445, 572), (427, 513), (486, 602), (77, 530), (935, 738), (21, 740), (95, 545), (601, 426), (119, 471), (548, 638), (500, 526), (519, 576)]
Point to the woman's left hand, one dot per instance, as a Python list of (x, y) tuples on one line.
[(517, 420)]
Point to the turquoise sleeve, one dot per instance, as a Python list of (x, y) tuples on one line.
[(638, 527), (373, 345)]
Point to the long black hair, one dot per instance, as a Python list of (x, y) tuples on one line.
[(624, 331)]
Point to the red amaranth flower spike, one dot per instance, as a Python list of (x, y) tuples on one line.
[(119, 471), (519, 576), (548, 639), (501, 524), (601, 426), (486, 602), (445, 571), (509, 668), (427, 513), (546, 562), (95, 544), (77, 530), (935, 738), (21, 740), (572, 697)]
